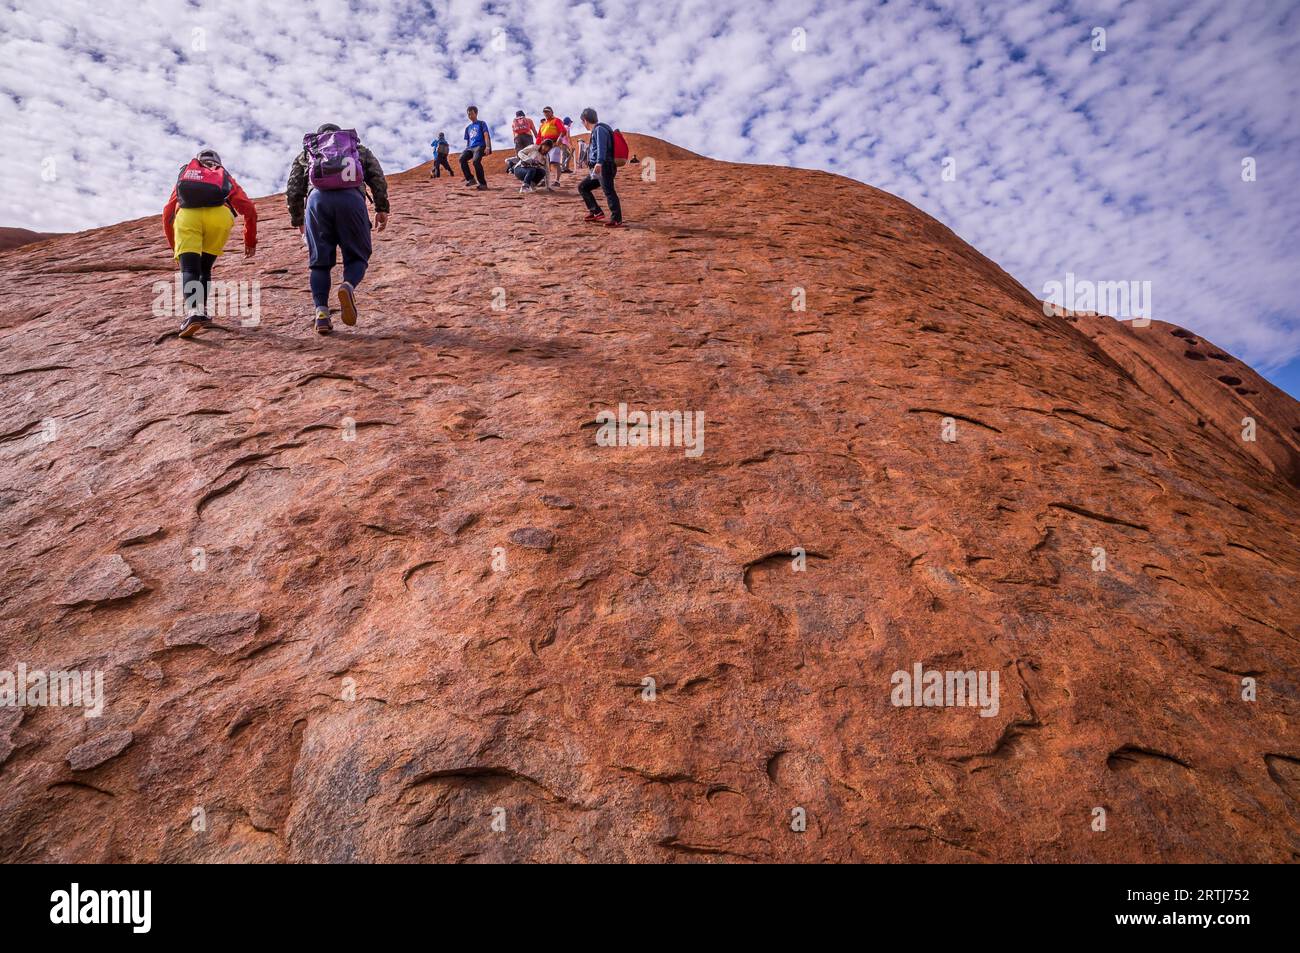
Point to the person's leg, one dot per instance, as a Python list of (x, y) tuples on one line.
[(585, 188), (464, 165), (322, 242), (352, 222), (192, 285), (205, 275), (607, 172), (478, 166)]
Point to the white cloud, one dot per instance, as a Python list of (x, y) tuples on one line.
[(1122, 164)]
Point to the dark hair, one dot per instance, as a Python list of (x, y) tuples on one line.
[(327, 127), (471, 109), (519, 112), (545, 144), (589, 115)]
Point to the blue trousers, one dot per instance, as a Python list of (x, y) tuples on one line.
[(336, 218)]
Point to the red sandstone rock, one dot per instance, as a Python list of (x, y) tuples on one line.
[(662, 684), (102, 580), (99, 750)]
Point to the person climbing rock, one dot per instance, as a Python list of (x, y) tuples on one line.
[(478, 143), (600, 160), (329, 178), (523, 130), (441, 149), (567, 145), (552, 129), (197, 220), (530, 168), (555, 159)]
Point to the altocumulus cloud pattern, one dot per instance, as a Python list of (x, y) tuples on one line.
[(1122, 163)]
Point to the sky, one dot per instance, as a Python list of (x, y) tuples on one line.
[(1162, 150)]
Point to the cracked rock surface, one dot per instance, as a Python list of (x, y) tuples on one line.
[(359, 597)]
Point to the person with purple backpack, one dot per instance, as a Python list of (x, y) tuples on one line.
[(326, 198)]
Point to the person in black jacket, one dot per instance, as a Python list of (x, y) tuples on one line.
[(336, 219), (600, 157)]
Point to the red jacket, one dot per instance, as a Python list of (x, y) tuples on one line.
[(238, 201)]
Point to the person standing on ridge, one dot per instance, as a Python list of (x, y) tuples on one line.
[(553, 130), (329, 177), (600, 159), (523, 130), (197, 221), (441, 148), (567, 145), (478, 143)]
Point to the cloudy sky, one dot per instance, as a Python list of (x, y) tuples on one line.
[(1122, 163)]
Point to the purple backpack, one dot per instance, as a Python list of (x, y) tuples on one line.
[(333, 160)]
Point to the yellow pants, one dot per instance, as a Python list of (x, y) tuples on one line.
[(202, 229)]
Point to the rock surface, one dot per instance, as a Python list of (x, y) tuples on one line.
[(101, 580), (706, 651), (99, 750)]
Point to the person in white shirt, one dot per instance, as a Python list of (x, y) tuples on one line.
[(531, 167)]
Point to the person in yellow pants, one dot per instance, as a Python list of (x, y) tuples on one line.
[(197, 221)]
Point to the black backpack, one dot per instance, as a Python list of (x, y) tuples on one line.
[(197, 186)]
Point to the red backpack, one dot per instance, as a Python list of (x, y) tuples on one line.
[(200, 187), (621, 151)]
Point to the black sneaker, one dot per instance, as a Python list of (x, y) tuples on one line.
[(482, 188), (194, 324), (322, 323)]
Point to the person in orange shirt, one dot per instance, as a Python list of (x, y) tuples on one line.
[(197, 221), (552, 129)]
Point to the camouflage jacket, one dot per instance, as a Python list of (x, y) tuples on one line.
[(295, 193)]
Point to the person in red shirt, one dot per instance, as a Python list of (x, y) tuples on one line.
[(523, 130), (197, 221)]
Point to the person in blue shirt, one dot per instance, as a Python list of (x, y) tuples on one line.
[(440, 150), (600, 158), (478, 143)]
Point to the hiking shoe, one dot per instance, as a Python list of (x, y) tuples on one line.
[(595, 217), (524, 188), (323, 324), (482, 188), (469, 181), (348, 304), (194, 324), (614, 224)]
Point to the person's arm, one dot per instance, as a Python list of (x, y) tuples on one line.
[(240, 202), (169, 216), (487, 138), (295, 193), (374, 174)]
